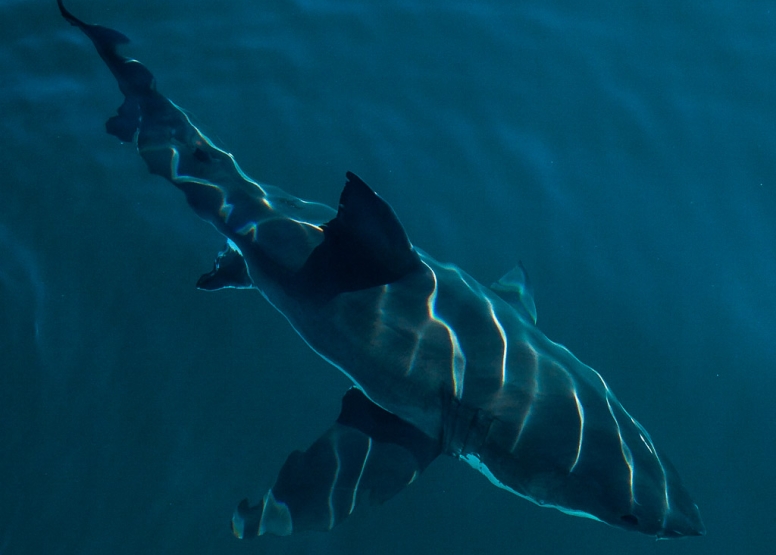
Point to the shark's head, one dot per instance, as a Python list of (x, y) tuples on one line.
[(672, 514), (682, 517)]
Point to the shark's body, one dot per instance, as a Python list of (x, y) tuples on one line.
[(440, 363)]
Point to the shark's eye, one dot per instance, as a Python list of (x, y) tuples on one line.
[(630, 520)]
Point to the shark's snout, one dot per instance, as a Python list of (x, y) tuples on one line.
[(684, 522)]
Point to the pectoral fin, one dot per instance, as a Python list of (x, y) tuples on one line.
[(368, 456), (515, 288)]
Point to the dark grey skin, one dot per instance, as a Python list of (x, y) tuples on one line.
[(440, 363)]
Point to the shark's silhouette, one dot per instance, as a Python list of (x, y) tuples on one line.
[(440, 363)]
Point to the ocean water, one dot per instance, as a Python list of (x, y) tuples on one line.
[(624, 151)]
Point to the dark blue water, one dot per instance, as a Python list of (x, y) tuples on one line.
[(624, 151)]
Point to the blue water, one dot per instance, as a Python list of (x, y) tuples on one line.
[(624, 151)]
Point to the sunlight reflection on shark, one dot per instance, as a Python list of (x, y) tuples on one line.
[(440, 363)]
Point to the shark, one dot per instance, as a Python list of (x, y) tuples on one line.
[(440, 363)]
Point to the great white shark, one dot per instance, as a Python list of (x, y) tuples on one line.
[(440, 363)]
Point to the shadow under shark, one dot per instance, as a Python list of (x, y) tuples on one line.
[(440, 363)]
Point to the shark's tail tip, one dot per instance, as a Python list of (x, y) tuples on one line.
[(73, 20), (101, 36)]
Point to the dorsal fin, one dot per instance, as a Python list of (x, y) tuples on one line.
[(364, 246), (515, 288)]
